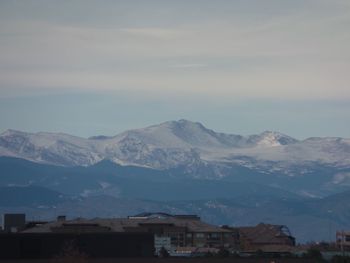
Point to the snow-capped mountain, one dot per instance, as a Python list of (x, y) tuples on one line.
[(227, 176), (52, 148), (177, 144)]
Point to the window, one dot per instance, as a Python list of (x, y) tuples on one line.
[(214, 237), (199, 244), (200, 235)]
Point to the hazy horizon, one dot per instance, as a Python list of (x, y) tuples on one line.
[(90, 67)]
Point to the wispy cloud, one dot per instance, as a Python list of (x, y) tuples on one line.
[(159, 33), (240, 66), (188, 66), (300, 50)]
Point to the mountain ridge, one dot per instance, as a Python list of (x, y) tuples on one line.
[(182, 143)]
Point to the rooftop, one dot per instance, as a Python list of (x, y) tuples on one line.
[(192, 223)]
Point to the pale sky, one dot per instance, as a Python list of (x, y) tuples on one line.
[(238, 66)]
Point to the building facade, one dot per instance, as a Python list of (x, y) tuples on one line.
[(176, 233), (343, 240), (173, 231)]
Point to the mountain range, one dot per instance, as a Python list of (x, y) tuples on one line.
[(172, 144), (198, 152), (180, 166)]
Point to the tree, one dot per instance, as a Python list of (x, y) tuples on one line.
[(315, 254)]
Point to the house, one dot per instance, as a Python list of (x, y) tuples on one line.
[(267, 238)]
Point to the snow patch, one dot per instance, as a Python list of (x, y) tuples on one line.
[(341, 178)]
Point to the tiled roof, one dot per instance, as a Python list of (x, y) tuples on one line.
[(263, 233)]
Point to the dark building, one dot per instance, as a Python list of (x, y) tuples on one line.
[(169, 231), (94, 245), (13, 222), (145, 234)]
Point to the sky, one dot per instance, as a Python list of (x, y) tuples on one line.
[(238, 66)]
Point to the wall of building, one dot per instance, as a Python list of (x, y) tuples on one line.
[(48, 245), (13, 222)]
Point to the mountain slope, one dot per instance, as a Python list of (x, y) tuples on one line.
[(107, 178), (15, 196), (51, 148)]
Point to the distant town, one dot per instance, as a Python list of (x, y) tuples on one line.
[(149, 235)]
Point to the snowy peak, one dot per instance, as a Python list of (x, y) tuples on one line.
[(176, 134), (193, 133), (185, 126), (8, 132), (272, 139), (11, 132), (99, 137)]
